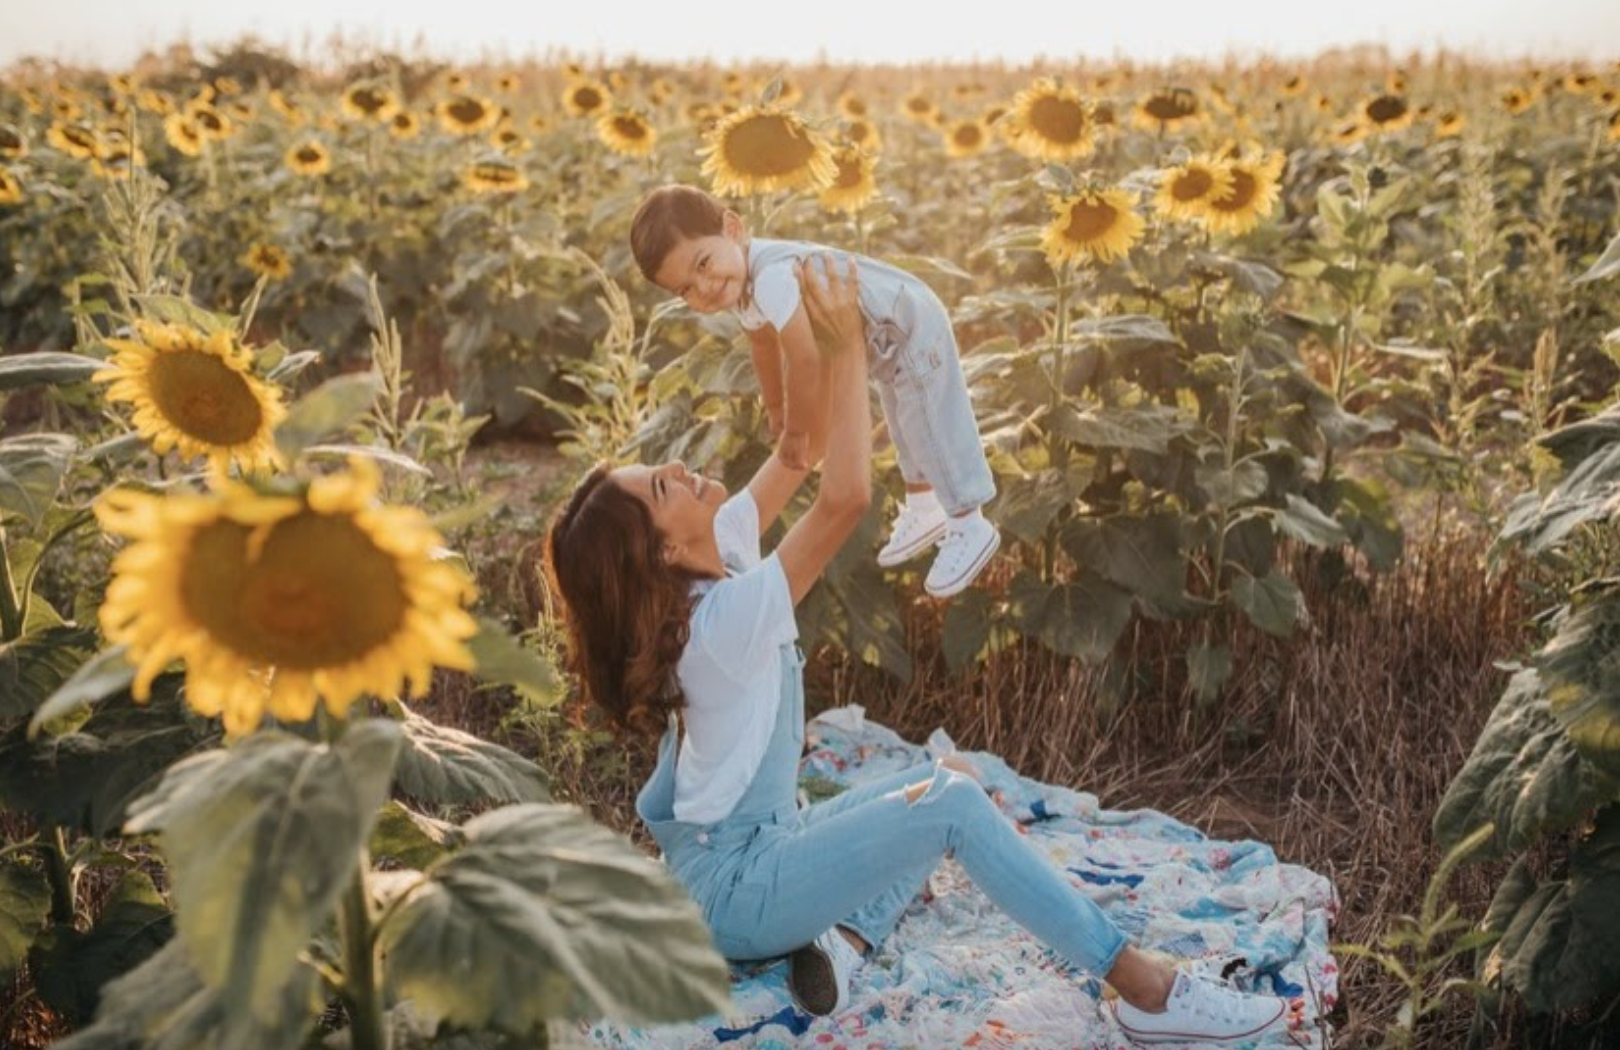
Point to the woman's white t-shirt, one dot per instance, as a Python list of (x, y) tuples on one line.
[(731, 668)]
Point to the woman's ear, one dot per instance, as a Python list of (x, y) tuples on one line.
[(731, 225), (671, 553)]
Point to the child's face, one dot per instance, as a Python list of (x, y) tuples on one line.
[(708, 272)]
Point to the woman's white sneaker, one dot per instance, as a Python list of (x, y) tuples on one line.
[(967, 548), (916, 528), (1203, 1012), (820, 972)]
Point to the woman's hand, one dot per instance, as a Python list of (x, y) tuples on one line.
[(832, 300)]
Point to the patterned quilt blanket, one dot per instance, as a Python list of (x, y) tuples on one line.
[(959, 973)]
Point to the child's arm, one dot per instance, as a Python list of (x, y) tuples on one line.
[(767, 354), (805, 426)]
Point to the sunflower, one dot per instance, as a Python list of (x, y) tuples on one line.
[(66, 109), (154, 102), (1581, 83), (113, 105), (852, 106), (965, 138), (1252, 196), (310, 158), (733, 83), (226, 85), (508, 83), (241, 112), (1614, 126), (268, 260), (12, 143), (183, 135), (195, 391), (117, 161), (1385, 113), (1167, 109), (404, 125), (214, 125), (11, 190), (495, 176), (1516, 100), (1449, 124), (787, 94), (509, 140), (284, 105), (539, 123), (855, 185), (277, 603), (1295, 86), (1050, 122), (466, 114), (1396, 82), (1092, 224), (76, 140), (1346, 132), (626, 132), (919, 107), (1186, 190), (586, 97), (122, 83), (764, 149), (369, 101), (862, 133)]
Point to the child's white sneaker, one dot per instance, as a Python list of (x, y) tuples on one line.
[(918, 526), (819, 974), (968, 545), (1203, 1012)]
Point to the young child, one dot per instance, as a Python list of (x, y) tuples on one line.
[(690, 244)]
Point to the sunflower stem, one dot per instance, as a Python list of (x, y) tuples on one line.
[(360, 987), (59, 870), (11, 620)]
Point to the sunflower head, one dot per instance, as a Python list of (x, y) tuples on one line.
[(196, 392), (1186, 190), (184, 135), (1252, 195), (12, 143), (155, 102), (627, 133), (509, 82), (116, 160), (1050, 121), (466, 114), (853, 106), (279, 603), (765, 149), (586, 97), (404, 125), (1386, 113), (864, 134), (11, 189), (918, 106), (1450, 124), (1168, 109), (1517, 99), (965, 138), (1614, 126), (227, 85), (496, 177), (309, 158), (268, 260), (76, 140), (1295, 86), (369, 100), (855, 184), (1092, 224)]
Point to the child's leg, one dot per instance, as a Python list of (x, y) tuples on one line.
[(804, 882)]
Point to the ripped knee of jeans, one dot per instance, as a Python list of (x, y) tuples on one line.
[(924, 792)]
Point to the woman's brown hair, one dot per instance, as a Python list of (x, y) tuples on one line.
[(627, 610)]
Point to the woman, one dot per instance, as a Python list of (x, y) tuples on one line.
[(672, 613)]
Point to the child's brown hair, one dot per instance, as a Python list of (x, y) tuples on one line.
[(667, 216)]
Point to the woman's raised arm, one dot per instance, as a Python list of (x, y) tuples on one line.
[(832, 301)]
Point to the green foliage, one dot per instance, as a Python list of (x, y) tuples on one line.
[(446, 767)]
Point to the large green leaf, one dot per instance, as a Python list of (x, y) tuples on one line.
[(409, 838), (1581, 668), (31, 471), (1027, 506), (106, 674), (163, 1005), (1208, 668), (448, 767), (1587, 493), (1367, 512), (325, 411), (1124, 332), (502, 659), (86, 779), (71, 966), (1246, 481), (1608, 264), (1148, 428), (1557, 948), (46, 367), (545, 914), (35, 666), (1082, 619), (25, 901), (867, 618), (1302, 520), (1141, 554), (1272, 602), (966, 631), (260, 840), (1524, 775), (1251, 276)]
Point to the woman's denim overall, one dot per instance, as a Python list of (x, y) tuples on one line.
[(771, 877)]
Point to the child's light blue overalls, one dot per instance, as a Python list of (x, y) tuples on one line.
[(771, 877)]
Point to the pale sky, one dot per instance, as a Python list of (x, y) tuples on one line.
[(114, 32)]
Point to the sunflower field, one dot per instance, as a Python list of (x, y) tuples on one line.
[(1298, 382)]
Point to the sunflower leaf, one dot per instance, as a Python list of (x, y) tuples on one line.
[(104, 674), (70, 967), (25, 901), (550, 916), (46, 367), (31, 470), (376, 452), (261, 838), (326, 410), (447, 767), (1608, 264), (1272, 602), (502, 659)]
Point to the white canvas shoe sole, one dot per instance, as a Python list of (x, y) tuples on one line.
[(888, 558), (959, 583)]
